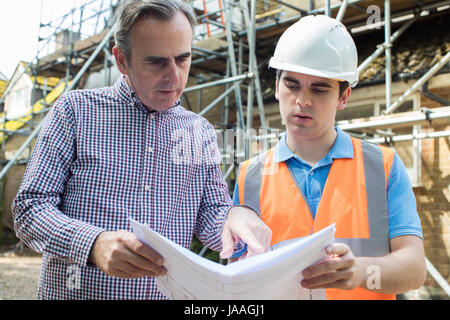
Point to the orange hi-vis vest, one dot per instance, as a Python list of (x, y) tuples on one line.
[(354, 197)]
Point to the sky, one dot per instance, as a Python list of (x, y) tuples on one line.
[(19, 28)]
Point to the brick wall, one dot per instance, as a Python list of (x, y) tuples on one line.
[(433, 201)]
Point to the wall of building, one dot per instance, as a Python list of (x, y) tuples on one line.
[(11, 184), (433, 199), (18, 101)]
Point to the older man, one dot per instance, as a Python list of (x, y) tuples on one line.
[(107, 154)]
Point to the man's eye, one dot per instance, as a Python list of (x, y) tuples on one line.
[(184, 59), (155, 61), (319, 91), (291, 85)]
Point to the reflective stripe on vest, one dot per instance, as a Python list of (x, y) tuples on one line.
[(261, 183)]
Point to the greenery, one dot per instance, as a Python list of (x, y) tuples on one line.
[(196, 246)]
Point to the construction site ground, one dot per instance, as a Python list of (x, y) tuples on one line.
[(19, 273)]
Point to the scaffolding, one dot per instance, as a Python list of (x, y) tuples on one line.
[(229, 80)]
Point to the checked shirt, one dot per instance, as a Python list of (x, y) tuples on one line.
[(102, 157)]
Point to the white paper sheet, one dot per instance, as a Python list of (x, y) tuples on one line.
[(272, 275)]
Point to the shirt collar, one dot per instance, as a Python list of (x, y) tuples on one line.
[(123, 90), (342, 148), (126, 94)]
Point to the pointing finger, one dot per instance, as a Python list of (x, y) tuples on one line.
[(227, 244)]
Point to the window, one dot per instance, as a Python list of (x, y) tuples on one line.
[(19, 103)]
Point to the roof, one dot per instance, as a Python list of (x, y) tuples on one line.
[(51, 82), (415, 52)]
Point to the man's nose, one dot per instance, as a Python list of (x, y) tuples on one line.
[(172, 75), (303, 99)]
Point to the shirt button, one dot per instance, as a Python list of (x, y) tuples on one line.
[(151, 116), (147, 187), (311, 173), (150, 149)]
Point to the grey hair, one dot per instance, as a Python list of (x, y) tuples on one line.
[(132, 10)]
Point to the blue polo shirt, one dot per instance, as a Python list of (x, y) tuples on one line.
[(401, 203)]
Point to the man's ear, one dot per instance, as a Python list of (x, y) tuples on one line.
[(344, 98), (276, 90), (120, 60)]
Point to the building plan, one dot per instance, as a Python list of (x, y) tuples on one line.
[(275, 274)]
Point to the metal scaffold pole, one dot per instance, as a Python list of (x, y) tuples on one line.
[(232, 57), (71, 86), (387, 50)]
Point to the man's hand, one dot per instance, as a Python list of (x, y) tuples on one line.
[(340, 270), (121, 254), (244, 224), (343, 271)]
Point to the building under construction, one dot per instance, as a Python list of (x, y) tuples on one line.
[(402, 99)]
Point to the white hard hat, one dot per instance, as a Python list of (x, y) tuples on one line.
[(320, 46)]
